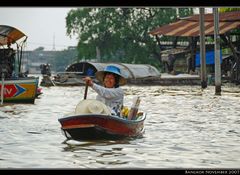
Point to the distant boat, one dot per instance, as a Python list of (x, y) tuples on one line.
[(15, 85), (134, 73)]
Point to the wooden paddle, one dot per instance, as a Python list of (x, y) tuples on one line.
[(86, 89)]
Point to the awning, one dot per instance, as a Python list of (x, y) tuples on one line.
[(130, 71), (190, 26), (9, 35)]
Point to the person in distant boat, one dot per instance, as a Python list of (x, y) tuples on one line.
[(90, 72), (110, 93)]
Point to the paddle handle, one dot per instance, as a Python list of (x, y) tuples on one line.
[(85, 93), (2, 89)]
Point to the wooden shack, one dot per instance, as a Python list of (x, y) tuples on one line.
[(188, 28)]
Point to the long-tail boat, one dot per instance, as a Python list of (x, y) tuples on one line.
[(15, 85)]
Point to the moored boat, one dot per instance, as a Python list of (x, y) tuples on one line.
[(134, 73), (21, 90), (15, 85)]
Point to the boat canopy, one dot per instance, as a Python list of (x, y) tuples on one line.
[(130, 71), (10, 59), (9, 35)]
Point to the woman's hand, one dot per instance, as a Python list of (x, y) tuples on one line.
[(88, 81)]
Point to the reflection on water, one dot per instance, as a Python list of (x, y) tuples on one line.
[(186, 127), (73, 145), (105, 152)]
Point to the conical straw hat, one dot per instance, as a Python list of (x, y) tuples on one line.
[(91, 106), (111, 69)]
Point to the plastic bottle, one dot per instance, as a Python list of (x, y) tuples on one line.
[(134, 109)]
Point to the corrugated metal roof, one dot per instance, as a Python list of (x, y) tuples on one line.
[(190, 26)]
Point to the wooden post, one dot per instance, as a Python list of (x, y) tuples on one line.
[(192, 47), (202, 49), (226, 38), (98, 54), (2, 89), (217, 52)]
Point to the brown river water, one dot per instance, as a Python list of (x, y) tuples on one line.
[(186, 127)]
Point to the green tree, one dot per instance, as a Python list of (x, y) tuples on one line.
[(121, 34), (39, 49), (221, 10)]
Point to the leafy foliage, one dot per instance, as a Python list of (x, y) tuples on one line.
[(228, 9), (121, 34), (39, 49)]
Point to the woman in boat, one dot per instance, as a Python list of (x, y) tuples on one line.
[(110, 93)]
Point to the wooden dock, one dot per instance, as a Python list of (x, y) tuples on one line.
[(168, 80)]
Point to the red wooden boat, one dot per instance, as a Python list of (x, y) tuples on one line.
[(99, 126)]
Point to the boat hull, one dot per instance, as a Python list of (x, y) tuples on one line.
[(99, 127), (22, 90)]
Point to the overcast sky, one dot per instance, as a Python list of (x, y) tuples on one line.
[(41, 25)]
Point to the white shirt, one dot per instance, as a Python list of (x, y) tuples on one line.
[(112, 97)]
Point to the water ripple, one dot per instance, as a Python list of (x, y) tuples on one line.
[(186, 127)]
